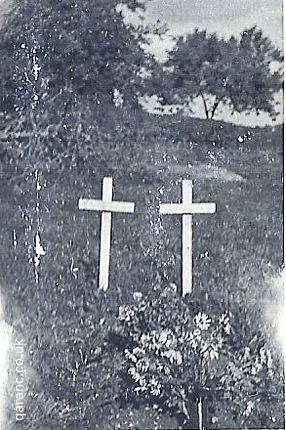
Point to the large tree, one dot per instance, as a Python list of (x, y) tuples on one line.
[(65, 67), (84, 46), (243, 73)]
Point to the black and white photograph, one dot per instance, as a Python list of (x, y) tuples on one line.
[(141, 215)]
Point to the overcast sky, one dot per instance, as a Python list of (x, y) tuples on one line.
[(226, 17)]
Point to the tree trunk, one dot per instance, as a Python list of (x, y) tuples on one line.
[(215, 106), (205, 106)]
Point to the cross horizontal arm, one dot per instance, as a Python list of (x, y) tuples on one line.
[(99, 205), (193, 208)]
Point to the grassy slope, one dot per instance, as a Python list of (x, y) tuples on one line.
[(245, 234), (232, 249)]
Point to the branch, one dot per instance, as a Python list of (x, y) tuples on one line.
[(215, 106)]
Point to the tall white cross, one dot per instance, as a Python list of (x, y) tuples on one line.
[(106, 206), (187, 208)]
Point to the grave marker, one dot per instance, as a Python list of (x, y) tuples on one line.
[(106, 206), (187, 208)]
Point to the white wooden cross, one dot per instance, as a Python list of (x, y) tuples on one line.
[(106, 206), (187, 208)]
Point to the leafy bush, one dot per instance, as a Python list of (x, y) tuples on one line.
[(179, 356)]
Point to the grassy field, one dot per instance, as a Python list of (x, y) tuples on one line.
[(238, 168), (234, 251)]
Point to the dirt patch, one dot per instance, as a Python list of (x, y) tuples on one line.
[(206, 171)]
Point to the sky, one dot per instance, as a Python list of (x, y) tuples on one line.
[(226, 18)]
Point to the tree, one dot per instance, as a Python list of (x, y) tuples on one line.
[(66, 69), (85, 47), (256, 74), (236, 73)]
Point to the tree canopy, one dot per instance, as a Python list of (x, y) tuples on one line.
[(65, 67), (84, 47), (244, 73)]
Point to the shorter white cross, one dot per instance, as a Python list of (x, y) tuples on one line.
[(106, 206), (187, 208)]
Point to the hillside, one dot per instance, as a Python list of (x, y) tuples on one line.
[(235, 251)]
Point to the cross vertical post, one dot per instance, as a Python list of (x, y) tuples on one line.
[(187, 208), (106, 206), (187, 263), (105, 236)]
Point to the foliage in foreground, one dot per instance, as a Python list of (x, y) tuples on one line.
[(162, 355)]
